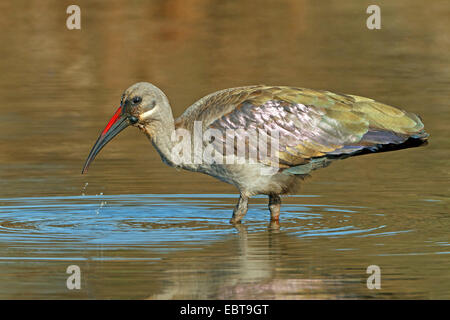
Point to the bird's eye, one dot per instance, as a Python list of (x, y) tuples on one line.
[(137, 100), (133, 119)]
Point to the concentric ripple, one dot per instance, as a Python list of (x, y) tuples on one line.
[(138, 219)]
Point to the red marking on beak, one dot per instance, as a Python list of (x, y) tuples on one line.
[(112, 121)]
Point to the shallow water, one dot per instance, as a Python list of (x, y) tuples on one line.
[(138, 229), (181, 246)]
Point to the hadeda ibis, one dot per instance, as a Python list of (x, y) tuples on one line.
[(313, 128)]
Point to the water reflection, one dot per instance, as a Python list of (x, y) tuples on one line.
[(151, 246)]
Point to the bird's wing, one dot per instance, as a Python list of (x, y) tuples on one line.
[(310, 123)]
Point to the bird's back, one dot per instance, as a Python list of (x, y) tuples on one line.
[(312, 123)]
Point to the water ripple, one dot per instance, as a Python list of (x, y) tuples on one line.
[(139, 219)]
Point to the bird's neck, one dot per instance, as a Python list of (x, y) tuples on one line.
[(160, 134)]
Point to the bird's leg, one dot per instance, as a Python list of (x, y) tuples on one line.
[(240, 210), (274, 207)]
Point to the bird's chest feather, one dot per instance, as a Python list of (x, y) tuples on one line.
[(249, 178)]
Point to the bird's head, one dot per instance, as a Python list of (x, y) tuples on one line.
[(142, 104)]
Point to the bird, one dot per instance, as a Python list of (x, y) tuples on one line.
[(305, 129)]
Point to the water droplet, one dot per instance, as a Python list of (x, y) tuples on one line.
[(84, 189)]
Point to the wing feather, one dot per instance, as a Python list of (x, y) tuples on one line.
[(311, 123)]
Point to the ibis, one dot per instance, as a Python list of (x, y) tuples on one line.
[(298, 130)]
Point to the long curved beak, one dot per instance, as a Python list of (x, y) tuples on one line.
[(116, 124)]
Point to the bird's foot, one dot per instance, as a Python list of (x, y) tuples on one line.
[(236, 218), (274, 207), (275, 215), (240, 210), (274, 225), (275, 212), (241, 228)]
